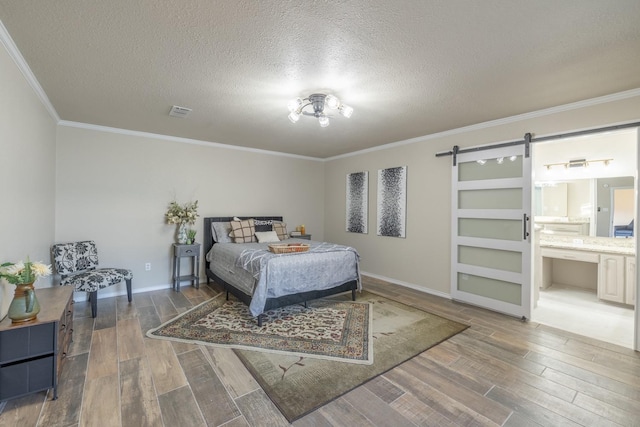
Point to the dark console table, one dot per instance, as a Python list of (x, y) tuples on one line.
[(32, 353)]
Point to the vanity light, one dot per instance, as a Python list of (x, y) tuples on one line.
[(579, 163)]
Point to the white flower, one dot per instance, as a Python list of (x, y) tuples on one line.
[(24, 272), (16, 268), (40, 270), (182, 214)]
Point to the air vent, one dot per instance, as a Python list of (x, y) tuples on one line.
[(181, 112)]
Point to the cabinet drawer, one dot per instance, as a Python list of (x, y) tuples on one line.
[(187, 250), (570, 255), (22, 343), (26, 377)]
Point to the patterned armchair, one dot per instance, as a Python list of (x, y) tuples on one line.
[(77, 264)]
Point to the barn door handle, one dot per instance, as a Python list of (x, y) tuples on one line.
[(525, 233)]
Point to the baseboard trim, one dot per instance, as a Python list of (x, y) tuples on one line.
[(83, 296), (408, 285)]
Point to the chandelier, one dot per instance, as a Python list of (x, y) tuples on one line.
[(318, 101)]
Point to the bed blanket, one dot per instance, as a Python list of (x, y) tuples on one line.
[(284, 274)]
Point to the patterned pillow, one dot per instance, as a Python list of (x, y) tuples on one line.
[(243, 231), (281, 229), (220, 232), (262, 225)]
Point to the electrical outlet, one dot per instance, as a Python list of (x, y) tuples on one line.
[(147, 266)]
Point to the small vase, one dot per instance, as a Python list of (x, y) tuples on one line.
[(25, 306), (182, 234)]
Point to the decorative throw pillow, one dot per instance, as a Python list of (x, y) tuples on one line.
[(243, 231), (262, 225), (267, 236), (281, 229), (220, 232)]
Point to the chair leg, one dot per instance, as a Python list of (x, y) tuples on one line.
[(93, 299), (129, 289)]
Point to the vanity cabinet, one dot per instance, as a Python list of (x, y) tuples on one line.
[(611, 280), (630, 280), (616, 281)]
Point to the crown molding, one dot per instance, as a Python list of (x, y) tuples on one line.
[(17, 57), (498, 122), (24, 68), (210, 144)]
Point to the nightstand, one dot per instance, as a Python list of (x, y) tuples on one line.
[(186, 251)]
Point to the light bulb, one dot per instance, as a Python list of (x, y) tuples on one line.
[(481, 162), (513, 158), (500, 160), (294, 116), (346, 111), (294, 104), (324, 121), (332, 102)]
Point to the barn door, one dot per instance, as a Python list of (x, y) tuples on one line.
[(491, 241)]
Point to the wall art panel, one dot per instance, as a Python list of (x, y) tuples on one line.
[(392, 201), (357, 202)]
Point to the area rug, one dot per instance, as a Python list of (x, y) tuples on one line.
[(326, 329), (298, 385)]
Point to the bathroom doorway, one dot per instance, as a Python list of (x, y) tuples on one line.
[(583, 272)]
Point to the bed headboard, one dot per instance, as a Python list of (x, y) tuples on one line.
[(208, 237)]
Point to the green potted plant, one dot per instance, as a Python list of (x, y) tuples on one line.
[(191, 236)]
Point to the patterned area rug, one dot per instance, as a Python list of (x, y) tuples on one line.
[(299, 385), (298, 356), (325, 329)]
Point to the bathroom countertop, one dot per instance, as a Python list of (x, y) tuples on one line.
[(590, 244)]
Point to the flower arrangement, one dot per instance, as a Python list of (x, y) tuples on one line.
[(182, 214), (24, 272), (191, 236)]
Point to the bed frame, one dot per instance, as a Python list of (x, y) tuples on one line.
[(271, 303)]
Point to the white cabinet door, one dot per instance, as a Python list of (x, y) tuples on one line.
[(611, 278), (630, 281)]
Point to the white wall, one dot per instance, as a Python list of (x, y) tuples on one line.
[(27, 174), (115, 189), (422, 259)]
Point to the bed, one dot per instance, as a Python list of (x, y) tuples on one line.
[(265, 281)]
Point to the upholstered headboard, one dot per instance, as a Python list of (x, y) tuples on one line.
[(208, 237)]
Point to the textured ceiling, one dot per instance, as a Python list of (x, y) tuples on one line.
[(408, 68)]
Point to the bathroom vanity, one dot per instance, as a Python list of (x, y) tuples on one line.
[(604, 265)]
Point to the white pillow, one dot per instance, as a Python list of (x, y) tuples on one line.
[(267, 236)]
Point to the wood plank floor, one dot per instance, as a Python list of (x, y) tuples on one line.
[(500, 371)]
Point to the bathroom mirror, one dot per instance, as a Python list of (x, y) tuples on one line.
[(602, 202)]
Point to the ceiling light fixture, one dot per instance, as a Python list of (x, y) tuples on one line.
[(318, 101)]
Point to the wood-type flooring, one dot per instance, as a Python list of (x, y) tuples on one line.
[(499, 372)]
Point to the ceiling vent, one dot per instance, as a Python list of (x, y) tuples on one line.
[(181, 112)]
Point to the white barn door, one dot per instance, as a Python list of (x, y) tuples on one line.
[(491, 230)]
